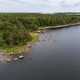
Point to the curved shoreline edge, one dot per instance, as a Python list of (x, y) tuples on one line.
[(16, 53)]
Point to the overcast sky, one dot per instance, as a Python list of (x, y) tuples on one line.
[(42, 6)]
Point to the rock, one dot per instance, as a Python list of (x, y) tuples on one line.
[(15, 59), (29, 46), (21, 57), (8, 60), (38, 31)]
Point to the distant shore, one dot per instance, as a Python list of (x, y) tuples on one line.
[(60, 26)]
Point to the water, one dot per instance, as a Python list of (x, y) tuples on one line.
[(55, 57)]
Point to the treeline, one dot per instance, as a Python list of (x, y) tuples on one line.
[(15, 27), (35, 20)]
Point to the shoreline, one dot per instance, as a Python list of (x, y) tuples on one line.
[(8, 57), (17, 53), (60, 26)]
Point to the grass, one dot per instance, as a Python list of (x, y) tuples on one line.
[(34, 37)]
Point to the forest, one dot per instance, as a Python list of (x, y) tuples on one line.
[(15, 28)]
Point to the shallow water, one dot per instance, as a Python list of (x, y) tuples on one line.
[(55, 57)]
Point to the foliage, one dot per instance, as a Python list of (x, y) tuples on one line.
[(15, 27)]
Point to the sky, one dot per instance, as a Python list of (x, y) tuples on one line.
[(40, 6)]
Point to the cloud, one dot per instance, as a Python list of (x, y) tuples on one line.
[(70, 5), (44, 6)]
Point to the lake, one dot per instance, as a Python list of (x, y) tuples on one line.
[(55, 57)]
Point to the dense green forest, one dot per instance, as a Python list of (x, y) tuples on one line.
[(15, 28)]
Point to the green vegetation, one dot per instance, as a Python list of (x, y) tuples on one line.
[(16, 28), (19, 49)]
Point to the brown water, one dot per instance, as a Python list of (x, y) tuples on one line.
[(55, 57)]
